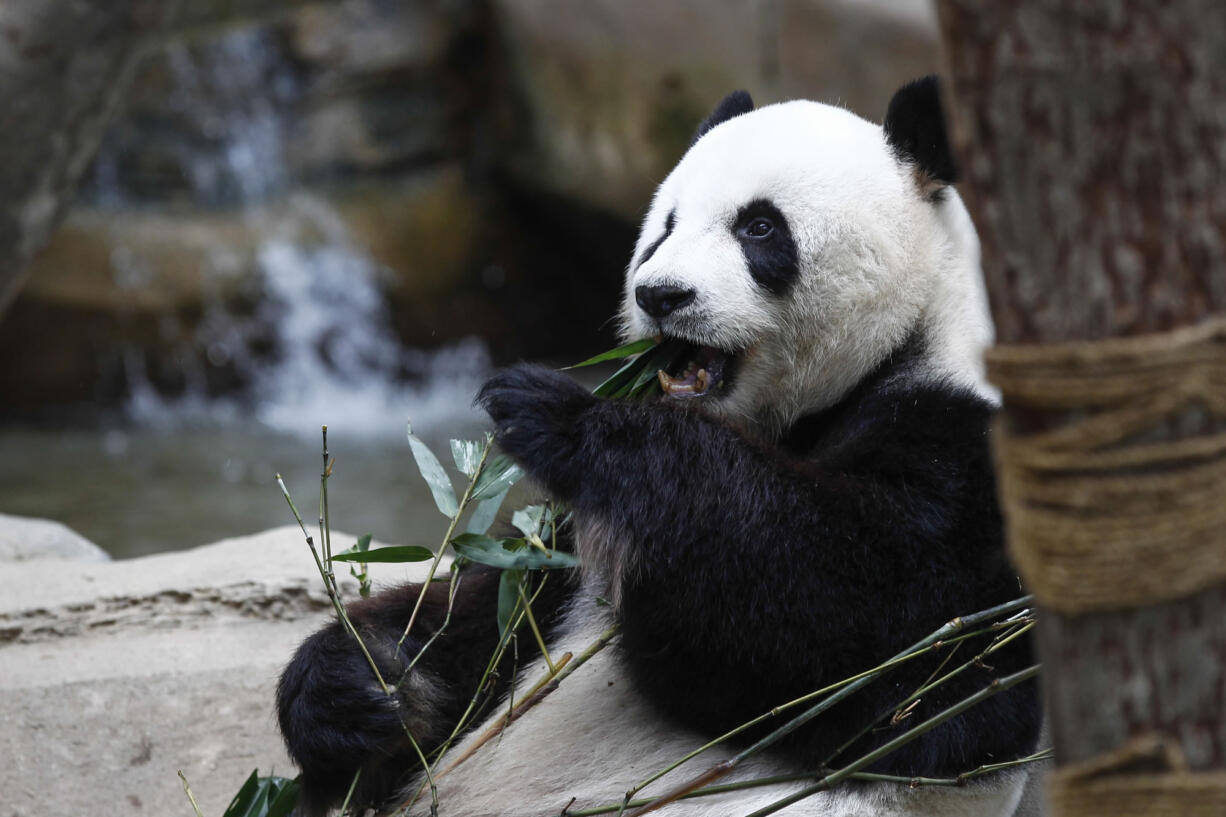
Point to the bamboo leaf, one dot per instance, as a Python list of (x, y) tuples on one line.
[(509, 553), (241, 803), (621, 378), (434, 475), (646, 378), (661, 357), (395, 554), (530, 521), (487, 510), (363, 543), (285, 799), (499, 474), (626, 350), (264, 797), (508, 596), (467, 455)]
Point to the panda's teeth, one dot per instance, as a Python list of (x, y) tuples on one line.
[(674, 386), (701, 382)]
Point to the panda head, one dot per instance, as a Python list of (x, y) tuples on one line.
[(797, 246)]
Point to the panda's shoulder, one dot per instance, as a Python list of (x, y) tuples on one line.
[(903, 417)]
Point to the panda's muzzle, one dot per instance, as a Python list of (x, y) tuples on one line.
[(698, 372)]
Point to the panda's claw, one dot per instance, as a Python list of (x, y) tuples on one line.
[(536, 413)]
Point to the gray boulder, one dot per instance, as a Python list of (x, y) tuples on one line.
[(23, 538)]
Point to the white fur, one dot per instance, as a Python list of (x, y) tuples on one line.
[(878, 259)]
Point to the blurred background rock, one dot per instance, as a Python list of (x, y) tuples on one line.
[(273, 215)]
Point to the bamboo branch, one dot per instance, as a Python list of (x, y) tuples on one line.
[(534, 696), (187, 789), (870, 777), (942, 634), (349, 794), (451, 591), (540, 641), (330, 587), (996, 687)]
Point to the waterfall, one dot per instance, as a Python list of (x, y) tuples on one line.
[(335, 358)]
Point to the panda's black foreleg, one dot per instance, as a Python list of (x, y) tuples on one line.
[(756, 576), (337, 720)]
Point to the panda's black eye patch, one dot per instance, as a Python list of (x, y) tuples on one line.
[(766, 241)]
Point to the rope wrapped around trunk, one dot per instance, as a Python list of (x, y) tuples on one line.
[(1118, 507)]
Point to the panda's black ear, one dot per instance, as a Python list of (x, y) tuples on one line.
[(733, 105), (915, 128)]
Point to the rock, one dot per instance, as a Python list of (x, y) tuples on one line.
[(113, 675), (64, 69), (243, 113), (614, 88), (23, 538)]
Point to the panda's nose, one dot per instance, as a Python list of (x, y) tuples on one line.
[(660, 301)]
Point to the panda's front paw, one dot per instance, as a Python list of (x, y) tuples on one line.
[(537, 414)]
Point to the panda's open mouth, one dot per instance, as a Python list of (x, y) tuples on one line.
[(698, 371)]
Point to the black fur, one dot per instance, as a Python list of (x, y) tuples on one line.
[(765, 572), (915, 127), (773, 261), (733, 105), (669, 223), (336, 719)]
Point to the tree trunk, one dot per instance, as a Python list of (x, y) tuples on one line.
[(1093, 138)]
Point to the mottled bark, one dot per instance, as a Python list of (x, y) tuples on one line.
[(1093, 135)]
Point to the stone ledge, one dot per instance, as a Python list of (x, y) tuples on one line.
[(114, 675)]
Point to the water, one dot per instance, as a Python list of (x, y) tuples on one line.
[(142, 491)]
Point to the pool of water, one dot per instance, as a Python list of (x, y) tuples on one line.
[(140, 491)]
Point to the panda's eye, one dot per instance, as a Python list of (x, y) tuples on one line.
[(759, 228)]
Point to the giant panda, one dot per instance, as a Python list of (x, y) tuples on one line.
[(811, 493)]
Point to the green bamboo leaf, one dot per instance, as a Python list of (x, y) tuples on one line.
[(508, 596), (498, 475), (467, 455), (625, 350), (285, 800), (661, 357), (264, 797), (434, 475), (621, 378), (363, 543), (385, 555), (509, 553), (487, 510), (242, 802), (646, 378), (532, 520)]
